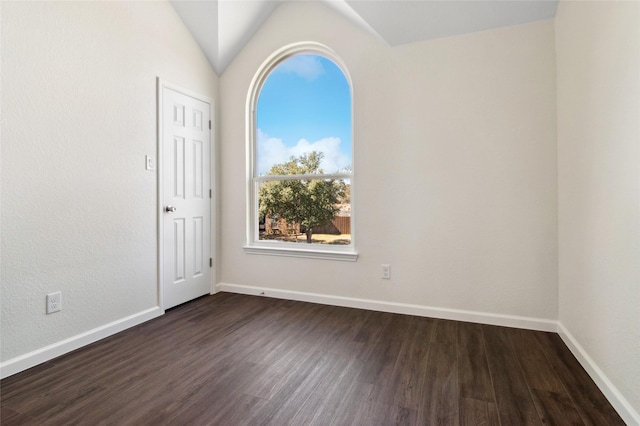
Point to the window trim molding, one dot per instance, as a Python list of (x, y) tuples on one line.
[(252, 244), (313, 253)]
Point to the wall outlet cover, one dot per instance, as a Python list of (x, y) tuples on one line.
[(54, 302)]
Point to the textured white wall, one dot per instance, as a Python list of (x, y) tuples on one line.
[(455, 157), (79, 115), (598, 50)]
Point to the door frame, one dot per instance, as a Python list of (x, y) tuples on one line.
[(160, 85)]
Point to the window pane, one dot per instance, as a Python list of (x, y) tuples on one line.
[(305, 211), (304, 107)]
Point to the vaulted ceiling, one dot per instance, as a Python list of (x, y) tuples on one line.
[(223, 27)]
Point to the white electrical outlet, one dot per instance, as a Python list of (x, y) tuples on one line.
[(386, 271), (54, 302)]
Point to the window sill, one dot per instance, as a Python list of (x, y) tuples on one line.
[(347, 256)]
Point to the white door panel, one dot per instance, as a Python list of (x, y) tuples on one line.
[(186, 217)]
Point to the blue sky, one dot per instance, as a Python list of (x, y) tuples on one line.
[(304, 106)]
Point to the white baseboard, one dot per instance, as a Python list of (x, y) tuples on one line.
[(397, 308), (619, 402), (31, 359)]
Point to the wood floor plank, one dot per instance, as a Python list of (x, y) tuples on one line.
[(478, 413), (233, 359), (440, 394), (284, 406), (353, 402), (537, 370), (371, 330), (285, 332), (282, 381), (513, 397), (376, 414), (324, 401), (474, 378), (553, 404), (408, 380), (237, 412), (381, 359), (215, 396), (440, 379), (446, 332), (396, 363), (556, 408), (10, 417), (590, 403)]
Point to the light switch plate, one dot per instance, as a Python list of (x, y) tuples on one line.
[(149, 163)]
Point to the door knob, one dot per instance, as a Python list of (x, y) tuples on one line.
[(170, 209)]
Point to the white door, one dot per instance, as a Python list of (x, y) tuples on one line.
[(185, 202)]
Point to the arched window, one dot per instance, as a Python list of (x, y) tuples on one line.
[(300, 155)]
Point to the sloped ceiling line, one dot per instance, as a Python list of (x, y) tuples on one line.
[(223, 27)]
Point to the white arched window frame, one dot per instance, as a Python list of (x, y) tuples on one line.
[(253, 244)]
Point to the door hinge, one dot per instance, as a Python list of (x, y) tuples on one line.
[(209, 193), (209, 124), (210, 262)]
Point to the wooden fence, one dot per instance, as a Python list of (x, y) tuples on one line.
[(338, 225)]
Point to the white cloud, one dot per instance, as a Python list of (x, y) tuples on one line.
[(273, 151), (308, 67)]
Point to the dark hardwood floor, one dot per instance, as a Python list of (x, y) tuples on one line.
[(232, 360)]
